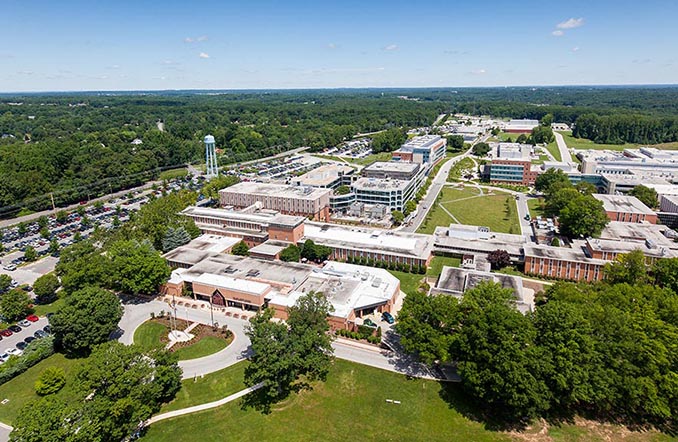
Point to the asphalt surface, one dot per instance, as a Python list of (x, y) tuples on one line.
[(12, 341), (29, 273), (562, 147)]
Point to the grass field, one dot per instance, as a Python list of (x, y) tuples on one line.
[(583, 143), (535, 206), (409, 282), (43, 309), (173, 173), (437, 264), (469, 207), (350, 405), (148, 335), (553, 148), (209, 388), (20, 390)]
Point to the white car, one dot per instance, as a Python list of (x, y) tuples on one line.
[(14, 352), (24, 323), (4, 357)]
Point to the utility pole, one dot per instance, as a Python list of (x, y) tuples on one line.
[(51, 194)]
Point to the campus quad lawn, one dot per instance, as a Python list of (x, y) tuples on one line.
[(553, 148), (209, 388), (535, 206), (21, 389), (148, 335), (437, 216), (351, 405), (409, 282), (437, 263)]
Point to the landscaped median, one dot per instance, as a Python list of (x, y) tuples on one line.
[(205, 340)]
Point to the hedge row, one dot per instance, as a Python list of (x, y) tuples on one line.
[(34, 353), (388, 265)]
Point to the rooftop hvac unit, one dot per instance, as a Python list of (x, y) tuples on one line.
[(376, 282)]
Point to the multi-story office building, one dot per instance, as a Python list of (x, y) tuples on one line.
[(512, 164), (391, 193), (425, 149), (328, 176), (290, 200), (626, 208), (396, 170)]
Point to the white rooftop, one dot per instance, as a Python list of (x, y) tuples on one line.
[(623, 204), (239, 285)]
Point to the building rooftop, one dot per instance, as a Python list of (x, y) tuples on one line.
[(323, 176), (200, 248), (649, 248), (348, 287), (263, 217), (392, 166), (475, 239), (623, 204), (269, 248), (575, 253), (424, 141), (276, 190), (235, 284), (616, 230), (385, 184), (513, 151), (367, 239)]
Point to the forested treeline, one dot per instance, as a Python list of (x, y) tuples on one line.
[(618, 129)]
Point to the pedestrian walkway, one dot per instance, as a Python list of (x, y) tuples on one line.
[(202, 407)]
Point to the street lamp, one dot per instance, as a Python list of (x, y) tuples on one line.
[(211, 309)]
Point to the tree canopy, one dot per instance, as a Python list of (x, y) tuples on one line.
[(136, 267), (15, 305), (45, 288), (646, 195)]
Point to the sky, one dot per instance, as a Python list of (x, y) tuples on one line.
[(71, 45)]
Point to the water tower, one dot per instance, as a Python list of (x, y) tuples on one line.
[(211, 169)]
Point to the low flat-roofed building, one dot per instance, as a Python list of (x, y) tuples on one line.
[(658, 234), (570, 263), (458, 240), (626, 208), (353, 291), (351, 242), (397, 170), (520, 126), (512, 151), (456, 281), (306, 201), (668, 203), (268, 250), (609, 250), (423, 149), (199, 249), (226, 290), (252, 226), (328, 176)]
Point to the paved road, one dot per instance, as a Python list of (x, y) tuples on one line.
[(433, 191), (564, 151)]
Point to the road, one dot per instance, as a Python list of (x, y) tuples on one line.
[(433, 191), (564, 151)]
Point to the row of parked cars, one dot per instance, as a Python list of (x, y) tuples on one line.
[(18, 350)]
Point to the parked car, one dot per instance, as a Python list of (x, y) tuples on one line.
[(15, 328), (40, 334), (29, 339), (6, 332), (21, 345), (368, 322), (32, 318), (24, 323), (14, 352), (386, 316), (47, 328), (4, 357)]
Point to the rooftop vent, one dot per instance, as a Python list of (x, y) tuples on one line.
[(230, 270)]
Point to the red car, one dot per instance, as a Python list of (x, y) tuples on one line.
[(32, 318), (6, 332)]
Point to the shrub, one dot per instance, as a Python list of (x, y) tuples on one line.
[(51, 380), (34, 353)]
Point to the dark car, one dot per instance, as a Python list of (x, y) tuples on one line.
[(386, 316), (47, 329), (40, 334), (14, 328), (6, 332), (368, 322), (21, 345), (29, 339)]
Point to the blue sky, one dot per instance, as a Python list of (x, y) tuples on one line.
[(123, 45)]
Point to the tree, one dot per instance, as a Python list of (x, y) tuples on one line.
[(342, 190), (646, 195), (282, 353), (313, 252), (175, 238), (81, 265), (51, 380), (410, 207), (629, 268), (585, 188), (30, 254), (136, 267), (53, 248), (665, 273), (542, 134), (455, 143), (15, 305), (497, 360), (87, 318), (557, 201), (583, 216), (481, 149), (61, 217), (499, 259), (546, 120), (522, 139), (42, 221), (47, 419), (551, 181), (398, 217), (44, 233), (22, 228), (211, 189), (388, 140), (241, 249), (45, 288), (291, 253), (5, 282), (426, 325)]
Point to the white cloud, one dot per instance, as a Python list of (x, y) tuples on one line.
[(331, 46), (189, 40), (575, 49), (479, 72), (195, 39), (391, 47), (202, 38), (571, 23), (557, 33), (204, 55), (25, 72)]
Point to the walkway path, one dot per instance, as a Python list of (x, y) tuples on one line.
[(201, 407), (564, 151)]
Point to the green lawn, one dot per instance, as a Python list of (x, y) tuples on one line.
[(535, 206), (204, 347), (148, 335), (468, 207), (173, 173), (209, 388), (350, 405), (553, 148), (437, 264), (20, 390), (409, 282), (583, 143), (43, 309)]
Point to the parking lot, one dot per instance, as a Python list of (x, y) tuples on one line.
[(9, 342)]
